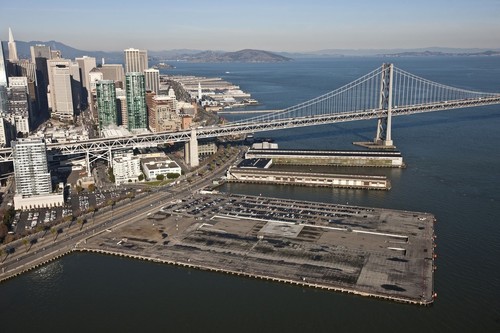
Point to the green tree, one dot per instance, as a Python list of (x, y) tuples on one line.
[(9, 216), (172, 175), (141, 177), (33, 241), (160, 177), (26, 242), (91, 188), (45, 229), (111, 175), (79, 189), (53, 231), (80, 222)]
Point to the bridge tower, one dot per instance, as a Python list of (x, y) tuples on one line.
[(191, 150), (384, 124)]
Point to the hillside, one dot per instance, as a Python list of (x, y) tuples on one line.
[(23, 50), (246, 55)]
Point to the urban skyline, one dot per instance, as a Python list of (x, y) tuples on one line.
[(270, 25)]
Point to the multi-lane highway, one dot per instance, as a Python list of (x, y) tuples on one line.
[(24, 254)]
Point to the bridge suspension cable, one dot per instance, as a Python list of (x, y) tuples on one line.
[(363, 94), (410, 89)]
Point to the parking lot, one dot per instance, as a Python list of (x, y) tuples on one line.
[(379, 252)]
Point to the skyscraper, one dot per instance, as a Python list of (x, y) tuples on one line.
[(152, 80), (19, 104), (163, 115), (31, 172), (31, 167), (121, 107), (113, 72), (3, 68), (106, 103), (136, 60), (39, 56), (3, 134), (61, 98), (3, 98), (86, 64), (76, 87), (27, 68), (136, 101), (40, 51), (12, 48)]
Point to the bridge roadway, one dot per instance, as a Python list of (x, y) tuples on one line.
[(104, 145)]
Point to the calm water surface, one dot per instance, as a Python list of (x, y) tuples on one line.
[(453, 171)]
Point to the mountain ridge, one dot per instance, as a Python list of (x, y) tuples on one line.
[(250, 55)]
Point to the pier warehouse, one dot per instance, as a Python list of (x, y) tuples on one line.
[(267, 176), (388, 159)]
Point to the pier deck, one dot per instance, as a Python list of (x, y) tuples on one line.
[(366, 251)]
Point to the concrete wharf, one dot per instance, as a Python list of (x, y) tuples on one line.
[(382, 253), (270, 176), (351, 158)]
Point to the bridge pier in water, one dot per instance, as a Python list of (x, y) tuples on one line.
[(384, 124), (191, 150)]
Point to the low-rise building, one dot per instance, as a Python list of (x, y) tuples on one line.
[(49, 200), (155, 166)]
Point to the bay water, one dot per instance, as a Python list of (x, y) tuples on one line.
[(453, 171)]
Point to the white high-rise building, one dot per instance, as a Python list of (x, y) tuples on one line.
[(136, 60), (33, 183), (152, 77), (86, 64), (61, 98), (12, 48), (3, 68), (3, 134), (126, 168), (95, 76), (31, 167)]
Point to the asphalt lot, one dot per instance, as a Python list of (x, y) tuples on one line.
[(377, 252)]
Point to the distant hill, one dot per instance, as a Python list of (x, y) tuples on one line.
[(437, 54), (246, 55), (416, 52), (249, 55), (23, 51)]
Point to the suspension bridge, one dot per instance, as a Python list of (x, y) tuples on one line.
[(381, 94)]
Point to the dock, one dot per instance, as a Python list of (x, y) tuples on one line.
[(380, 253), (270, 176), (347, 158)]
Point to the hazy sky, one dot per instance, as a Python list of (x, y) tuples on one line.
[(306, 25)]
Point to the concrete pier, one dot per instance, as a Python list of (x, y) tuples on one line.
[(380, 253), (349, 158), (269, 176)]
